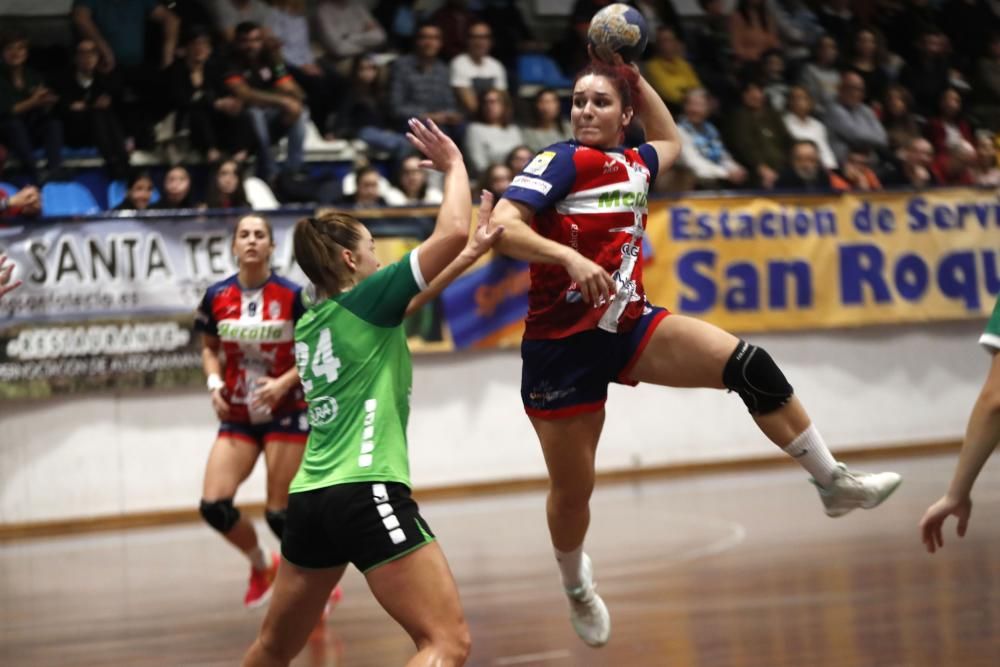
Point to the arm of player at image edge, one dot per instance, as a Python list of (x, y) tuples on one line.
[(981, 437), (6, 285), (212, 365), (451, 228), (481, 239)]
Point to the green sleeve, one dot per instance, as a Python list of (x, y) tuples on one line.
[(382, 297), (991, 337)]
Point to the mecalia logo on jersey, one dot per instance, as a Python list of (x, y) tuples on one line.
[(234, 330), (617, 198), (322, 410)]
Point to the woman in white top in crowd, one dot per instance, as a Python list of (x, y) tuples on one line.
[(550, 125), (493, 135), (803, 125)]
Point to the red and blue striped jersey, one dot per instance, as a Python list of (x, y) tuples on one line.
[(594, 201), (257, 331)]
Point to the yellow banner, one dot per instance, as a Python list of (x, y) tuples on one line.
[(754, 264)]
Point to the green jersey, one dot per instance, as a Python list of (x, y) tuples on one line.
[(355, 367), (991, 337)]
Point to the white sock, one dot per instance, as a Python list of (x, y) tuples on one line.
[(570, 566), (809, 450), (260, 559)]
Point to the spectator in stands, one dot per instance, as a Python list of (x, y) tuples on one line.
[(806, 173), (986, 90), (86, 100), (837, 19), (710, 52), (119, 31), (916, 166), (414, 186), (757, 137), (798, 27), (176, 192), (519, 158), (400, 19), (702, 150), (950, 127), (955, 166), (904, 22), (868, 59), (271, 98), (139, 193), (852, 124), (900, 123), (288, 23), (205, 106), (820, 76), (455, 20), (969, 25), (670, 74), (367, 192), (420, 86), (774, 80), (476, 71), (548, 125), (496, 179), (228, 14), (512, 35), (802, 125), (857, 172), (347, 29), (927, 74), (753, 31), (27, 109), (364, 113), (225, 187), (25, 203), (986, 171), (493, 134)]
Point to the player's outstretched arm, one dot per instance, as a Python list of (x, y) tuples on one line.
[(451, 229), (482, 238), (981, 437)]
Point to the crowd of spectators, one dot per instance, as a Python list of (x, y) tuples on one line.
[(768, 94)]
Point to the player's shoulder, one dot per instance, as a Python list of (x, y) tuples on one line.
[(557, 156), (217, 288), (284, 283)]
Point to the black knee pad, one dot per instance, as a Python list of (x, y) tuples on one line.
[(752, 373), (220, 514), (276, 520)]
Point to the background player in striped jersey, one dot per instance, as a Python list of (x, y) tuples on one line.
[(350, 501), (247, 323), (577, 212), (981, 437)]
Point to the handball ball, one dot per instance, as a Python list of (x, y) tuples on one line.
[(620, 29)]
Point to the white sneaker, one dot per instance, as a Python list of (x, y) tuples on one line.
[(587, 611), (850, 489)]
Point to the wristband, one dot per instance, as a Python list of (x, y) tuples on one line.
[(214, 382)]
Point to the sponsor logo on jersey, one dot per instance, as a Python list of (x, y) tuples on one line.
[(529, 183), (612, 167), (630, 250), (274, 310), (323, 410), (617, 198), (264, 332), (540, 163)]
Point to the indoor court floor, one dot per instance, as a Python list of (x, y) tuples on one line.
[(714, 570)]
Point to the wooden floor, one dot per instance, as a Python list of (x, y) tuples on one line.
[(738, 569)]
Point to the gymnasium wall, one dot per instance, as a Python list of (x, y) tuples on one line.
[(118, 454)]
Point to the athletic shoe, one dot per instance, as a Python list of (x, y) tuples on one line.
[(850, 489), (587, 611), (259, 588), (332, 601)]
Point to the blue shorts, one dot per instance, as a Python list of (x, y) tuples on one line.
[(292, 427), (562, 377)]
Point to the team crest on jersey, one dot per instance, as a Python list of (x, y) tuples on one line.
[(274, 310), (540, 163)]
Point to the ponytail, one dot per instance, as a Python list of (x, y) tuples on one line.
[(319, 245)]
